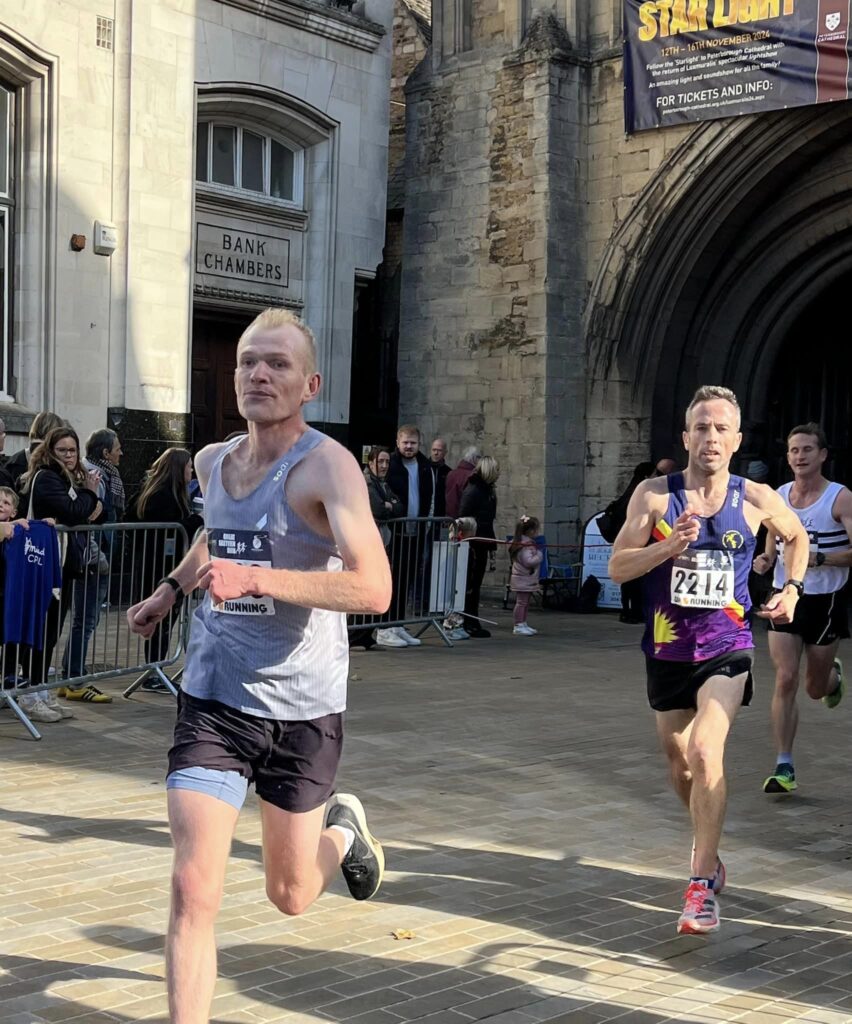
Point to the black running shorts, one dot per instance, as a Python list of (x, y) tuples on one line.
[(674, 685), (819, 619), (292, 764)]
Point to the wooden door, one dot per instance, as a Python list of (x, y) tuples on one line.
[(214, 358)]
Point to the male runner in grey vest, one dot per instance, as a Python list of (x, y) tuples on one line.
[(289, 547)]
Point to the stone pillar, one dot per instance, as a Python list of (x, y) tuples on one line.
[(491, 343)]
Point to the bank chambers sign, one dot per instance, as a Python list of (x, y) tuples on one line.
[(237, 257), (694, 60)]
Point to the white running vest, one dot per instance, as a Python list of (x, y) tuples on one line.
[(268, 658), (826, 535)]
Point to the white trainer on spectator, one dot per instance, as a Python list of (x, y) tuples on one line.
[(38, 711), (459, 633), (406, 637), (50, 699), (524, 630), (388, 638)]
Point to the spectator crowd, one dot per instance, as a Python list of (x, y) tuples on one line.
[(47, 577), (408, 493)]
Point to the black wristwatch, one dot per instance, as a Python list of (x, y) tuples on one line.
[(820, 558), (173, 583), (798, 584)]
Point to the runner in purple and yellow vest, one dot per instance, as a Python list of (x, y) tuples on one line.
[(697, 605), (691, 538)]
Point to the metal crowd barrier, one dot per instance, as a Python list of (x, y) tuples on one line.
[(86, 637), (429, 570)]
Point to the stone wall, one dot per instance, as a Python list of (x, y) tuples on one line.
[(519, 177), (411, 37), (560, 294), (485, 347), (619, 169)]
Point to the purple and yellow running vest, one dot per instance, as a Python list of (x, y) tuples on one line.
[(697, 605)]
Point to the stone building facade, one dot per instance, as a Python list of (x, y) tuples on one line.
[(171, 167), (565, 287)]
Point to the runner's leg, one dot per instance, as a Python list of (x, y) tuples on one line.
[(300, 857), (719, 700), (202, 827), (785, 649), (821, 676), (674, 729)]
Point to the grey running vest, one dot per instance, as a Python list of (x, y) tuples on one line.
[(268, 658)]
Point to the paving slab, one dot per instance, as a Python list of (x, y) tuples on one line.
[(533, 847)]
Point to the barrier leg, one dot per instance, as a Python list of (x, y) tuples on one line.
[(168, 683), (439, 625), (157, 673), (22, 716)]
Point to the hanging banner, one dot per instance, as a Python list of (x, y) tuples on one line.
[(695, 60)]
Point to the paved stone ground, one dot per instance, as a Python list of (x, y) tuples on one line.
[(534, 851)]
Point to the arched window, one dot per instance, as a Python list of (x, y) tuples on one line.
[(236, 157), (7, 227)]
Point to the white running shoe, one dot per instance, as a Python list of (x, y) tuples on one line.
[(459, 633), (524, 630), (52, 702), (388, 638), (406, 637), (38, 711)]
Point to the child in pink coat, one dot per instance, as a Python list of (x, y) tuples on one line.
[(526, 559)]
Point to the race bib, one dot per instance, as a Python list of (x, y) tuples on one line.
[(245, 547), (703, 579)]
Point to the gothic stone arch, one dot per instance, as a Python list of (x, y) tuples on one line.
[(741, 230)]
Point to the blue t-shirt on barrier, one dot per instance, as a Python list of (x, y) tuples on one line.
[(33, 572)]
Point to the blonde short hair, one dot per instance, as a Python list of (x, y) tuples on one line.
[(276, 316), (7, 492), (408, 428), (488, 469), (712, 393)]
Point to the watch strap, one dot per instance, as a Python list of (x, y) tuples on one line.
[(172, 582)]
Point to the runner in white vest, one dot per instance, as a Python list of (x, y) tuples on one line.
[(820, 622), (289, 548)]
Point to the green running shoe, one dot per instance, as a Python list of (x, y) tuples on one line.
[(783, 781), (831, 700)]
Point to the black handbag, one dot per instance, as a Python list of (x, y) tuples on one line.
[(608, 526)]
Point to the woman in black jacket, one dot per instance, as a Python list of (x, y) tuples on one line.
[(384, 505), (58, 486), (164, 498), (479, 501)]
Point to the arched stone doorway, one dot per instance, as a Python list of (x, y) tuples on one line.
[(731, 270)]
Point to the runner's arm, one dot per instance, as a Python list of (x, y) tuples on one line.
[(186, 572), (364, 584), (144, 616), (781, 521), (632, 556), (843, 514), (763, 563)]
